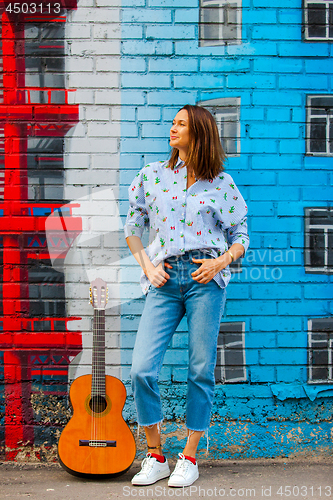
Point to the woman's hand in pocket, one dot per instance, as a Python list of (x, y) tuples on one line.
[(157, 275)]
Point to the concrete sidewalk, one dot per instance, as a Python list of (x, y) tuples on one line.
[(276, 479)]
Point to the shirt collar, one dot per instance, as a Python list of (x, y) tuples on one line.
[(180, 163)]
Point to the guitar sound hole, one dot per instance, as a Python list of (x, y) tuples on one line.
[(98, 404)]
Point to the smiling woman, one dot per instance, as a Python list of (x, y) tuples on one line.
[(190, 205)]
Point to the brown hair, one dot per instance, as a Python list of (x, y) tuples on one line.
[(205, 153)]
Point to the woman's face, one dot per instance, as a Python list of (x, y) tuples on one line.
[(179, 132)]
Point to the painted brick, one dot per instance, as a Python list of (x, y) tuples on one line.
[(301, 49), (290, 16), (303, 82), (188, 48), (172, 3), (224, 65), (290, 374), (98, 113), (186, 16), (279, 356), (84, 145), (277, 65), (253, 340), (321, 66), (243, 308), (130, 31), (260, 16), (262, 81), (143, 145), (276, 32), (274, 193), (276, 290), (308, 307), (302, 178), (288, 131), (133, 80), (132, 97), (263, 178), (170, 32), (153, 130), (262, 208), (281, 323), (97, 47), (278, 115), (145, 47), (290, 147), (133, 64), (146, 16), (256, 147), (165, 64), (149, 114), (319, 292), (168, 97), (259, 374), (316, 162), (201, 80), (277, 98), (260, 48), (317, 194), (275, 4)]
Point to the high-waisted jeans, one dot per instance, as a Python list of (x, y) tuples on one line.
[(164, 308)]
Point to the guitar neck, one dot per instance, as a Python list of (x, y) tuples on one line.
[(98, 354)]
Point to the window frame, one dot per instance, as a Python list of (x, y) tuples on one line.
[(227, 102), (329, 121), (204, 42), (307, 249), (329, 343), (221, 350), (307, 38)]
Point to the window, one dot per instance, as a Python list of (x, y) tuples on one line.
[(45, 61), (47, 294), (319, 240), (318, 20), (45, 168), (320, 341), (320, 125), (226, 112), (230, 364), (220, 22)]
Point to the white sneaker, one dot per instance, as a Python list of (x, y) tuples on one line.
[(151, 471), (185, 472)]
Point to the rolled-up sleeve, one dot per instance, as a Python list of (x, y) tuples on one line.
[(137, 217), (238, 234), (235, 216)]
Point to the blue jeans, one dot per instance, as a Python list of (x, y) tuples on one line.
[(164, 308)]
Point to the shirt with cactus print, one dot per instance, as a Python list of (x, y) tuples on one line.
[(210, 215)]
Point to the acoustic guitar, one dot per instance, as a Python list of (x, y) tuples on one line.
[(97, 441)]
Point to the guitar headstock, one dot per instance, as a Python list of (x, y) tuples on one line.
[(98, 293)]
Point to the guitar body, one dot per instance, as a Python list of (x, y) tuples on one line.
[(97, 442)]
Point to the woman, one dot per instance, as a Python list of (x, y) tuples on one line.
[(190, 205)]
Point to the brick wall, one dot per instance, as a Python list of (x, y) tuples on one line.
[(272, 71), (131, 67)]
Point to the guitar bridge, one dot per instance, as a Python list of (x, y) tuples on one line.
[(97, 443)]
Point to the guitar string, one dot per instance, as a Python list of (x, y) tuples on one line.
[(98, 378)]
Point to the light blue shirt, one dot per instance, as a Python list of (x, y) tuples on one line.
[(209, 215)]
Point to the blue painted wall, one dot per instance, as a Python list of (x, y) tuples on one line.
[(275, 412)]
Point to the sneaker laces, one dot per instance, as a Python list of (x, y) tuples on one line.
[(147, 464), (182, 465)]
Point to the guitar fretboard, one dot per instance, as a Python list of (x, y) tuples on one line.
[(98, 354)]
